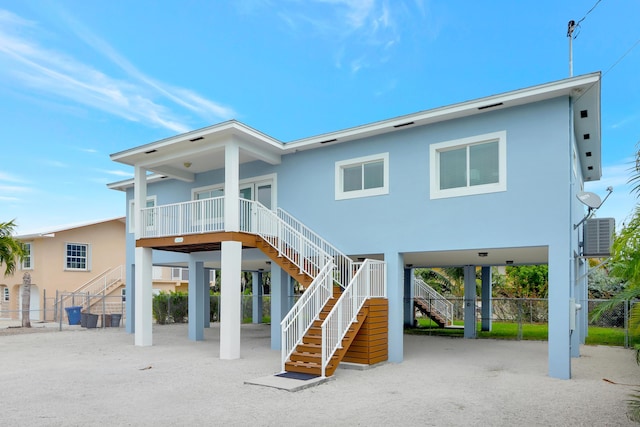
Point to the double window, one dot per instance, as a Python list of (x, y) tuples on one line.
[(77, 256), (362, 177), (467, 166)]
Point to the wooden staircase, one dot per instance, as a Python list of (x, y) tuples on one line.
[(307, 357), (287, 264), (426, 308)]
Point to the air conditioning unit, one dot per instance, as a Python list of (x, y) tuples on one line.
[(598, 237)]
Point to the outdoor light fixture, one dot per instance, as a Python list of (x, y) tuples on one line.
[(187, 164), (483, 254)]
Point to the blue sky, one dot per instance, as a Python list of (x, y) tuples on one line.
[(80, 80)]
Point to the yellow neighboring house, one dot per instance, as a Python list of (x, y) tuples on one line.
[(88, 257)]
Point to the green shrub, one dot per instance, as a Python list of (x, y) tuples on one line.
[(178, 306), (160, 307)]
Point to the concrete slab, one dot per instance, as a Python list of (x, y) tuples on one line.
[(288, 384)]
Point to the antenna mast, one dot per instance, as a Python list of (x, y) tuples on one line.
[(571, 27)]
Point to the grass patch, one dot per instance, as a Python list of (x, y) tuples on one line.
[(509, 330)]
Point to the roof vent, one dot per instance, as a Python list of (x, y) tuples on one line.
[(598, 237), (584, 114), (402, 124), (484, 107)]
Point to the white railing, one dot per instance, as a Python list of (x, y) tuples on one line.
[(289, 242), (438, 303), (368, 282), (300, 318), (343, 265), (193, 217), (101, 283)]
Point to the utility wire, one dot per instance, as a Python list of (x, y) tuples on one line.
[(577, 24)]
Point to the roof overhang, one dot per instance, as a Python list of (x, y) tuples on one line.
[(584, 91), (184, 155)]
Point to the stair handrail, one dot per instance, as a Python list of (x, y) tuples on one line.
[(305, 311), (343, 265), (369, 281), (101, 284), (290, 243), (438, 302)]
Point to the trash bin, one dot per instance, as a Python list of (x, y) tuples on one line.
[(73, 314), (106, 320), (83, 319), (92, 320), (115, 320)]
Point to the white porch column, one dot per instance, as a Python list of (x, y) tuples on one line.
[(144, 297), (231, 187), (231, 265), (143, 316)]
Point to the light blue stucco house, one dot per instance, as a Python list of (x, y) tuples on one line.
[(488, 182)]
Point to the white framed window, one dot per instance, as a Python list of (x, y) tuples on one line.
[(77, 256), (5, 294), (27, 261), (179, 273), (151, 202), (362, 177), (467, 166)]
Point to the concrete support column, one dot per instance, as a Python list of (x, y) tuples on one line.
[(139, 202), (559, 295), (395, 295), (409, 311), (279, 303), (576, 294), (470, 326), (130, 296), (196, 296), (231, 187), (487, 302), (230, 300), (143, 297), (256, 282)]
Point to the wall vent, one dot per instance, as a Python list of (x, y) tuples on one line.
[(598, 237)]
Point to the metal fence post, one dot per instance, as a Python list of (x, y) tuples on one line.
[(627, 305)]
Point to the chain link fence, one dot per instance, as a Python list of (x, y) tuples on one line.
[(527, 318)]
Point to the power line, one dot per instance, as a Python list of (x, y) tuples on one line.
[(577, 24)]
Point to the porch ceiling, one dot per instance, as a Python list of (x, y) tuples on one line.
[(493, 257)]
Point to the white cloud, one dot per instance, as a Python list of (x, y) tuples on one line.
[(139, 98), (7, 177)]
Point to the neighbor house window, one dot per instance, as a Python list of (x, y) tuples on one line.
[(151, 202), (467, 166), (77, 256), (5, 294), (27, 261), (362, 177)]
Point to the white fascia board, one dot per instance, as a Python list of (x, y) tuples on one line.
[(51, 232), (128, 183), (463, 109), (232, 127)]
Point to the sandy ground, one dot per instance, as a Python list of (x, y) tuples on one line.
[(98, 377)]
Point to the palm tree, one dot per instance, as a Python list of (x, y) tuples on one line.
[(11, 250)]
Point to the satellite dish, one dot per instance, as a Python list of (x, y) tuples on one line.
[(590, 199)]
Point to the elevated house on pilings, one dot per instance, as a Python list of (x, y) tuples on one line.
[(349, 214)]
